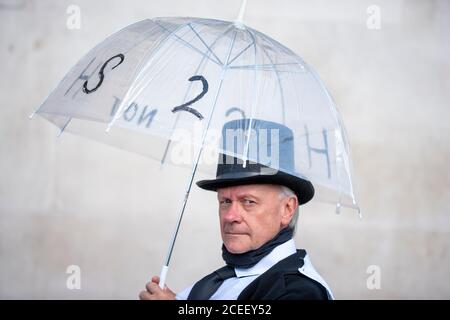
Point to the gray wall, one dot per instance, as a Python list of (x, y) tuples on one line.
[(72, 201)]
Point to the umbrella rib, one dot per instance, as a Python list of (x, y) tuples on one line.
[(187, 44), (185, 96), (270, 67), (64, 127), (240, 53), (279, 83), (246, 148), (204, 43), (269, 70), (299, 102)]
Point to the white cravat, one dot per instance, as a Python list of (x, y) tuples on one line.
[(232, 287)]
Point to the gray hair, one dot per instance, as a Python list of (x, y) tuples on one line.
[(286, 192)]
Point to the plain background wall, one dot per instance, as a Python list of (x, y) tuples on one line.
[(72, 201)]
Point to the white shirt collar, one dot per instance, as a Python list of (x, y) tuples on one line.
[(280, 252)]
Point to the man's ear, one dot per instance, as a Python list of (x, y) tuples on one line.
[(289, 206)]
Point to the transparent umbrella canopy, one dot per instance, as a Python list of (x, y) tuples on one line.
[(162, 84)]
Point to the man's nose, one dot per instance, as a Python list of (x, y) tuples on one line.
[(233, 214)]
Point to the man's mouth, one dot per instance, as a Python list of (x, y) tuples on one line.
[(235, 233)]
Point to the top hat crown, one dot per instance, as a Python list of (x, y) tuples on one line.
[(266, 156)]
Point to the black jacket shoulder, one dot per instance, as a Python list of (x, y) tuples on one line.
[(284, 282)]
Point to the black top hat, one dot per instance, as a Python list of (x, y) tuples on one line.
[(270, 167)]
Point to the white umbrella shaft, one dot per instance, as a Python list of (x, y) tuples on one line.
[(194, 169), (162, 276)]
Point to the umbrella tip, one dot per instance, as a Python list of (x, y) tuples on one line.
[(359, 213), (338, 208), (239, 25), (244, 163), (239, 22), (356, 206), (111, 123), (31, 115)]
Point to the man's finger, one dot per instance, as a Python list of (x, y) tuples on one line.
[(153, 287), (155, 279), (145, 295), (148, 286)]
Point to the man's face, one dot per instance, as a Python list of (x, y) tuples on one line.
[(251, 215)]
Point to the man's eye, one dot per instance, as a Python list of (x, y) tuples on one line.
[(248, 202), (225, 201)]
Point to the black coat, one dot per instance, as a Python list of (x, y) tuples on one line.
[(283, 281)]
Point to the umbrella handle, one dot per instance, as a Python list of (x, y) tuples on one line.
[(163, 276)]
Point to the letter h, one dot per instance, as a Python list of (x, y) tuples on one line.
[(323, 151)]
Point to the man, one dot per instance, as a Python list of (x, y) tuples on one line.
[(258, 210)]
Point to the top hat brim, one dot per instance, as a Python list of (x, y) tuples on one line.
[(303, 189)]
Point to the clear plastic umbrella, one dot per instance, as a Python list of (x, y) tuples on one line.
[(163, 83)]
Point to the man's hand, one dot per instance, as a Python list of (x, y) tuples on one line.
[(154, 292)]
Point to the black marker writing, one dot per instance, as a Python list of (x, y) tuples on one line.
[(101, 74), (184, 107), (235, 109)]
